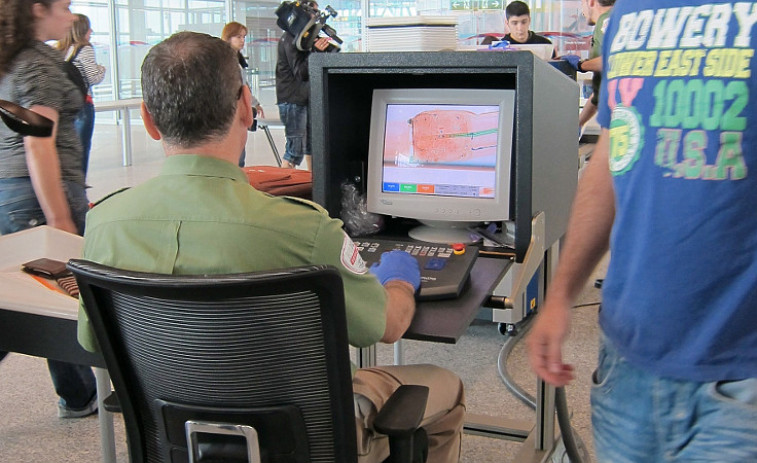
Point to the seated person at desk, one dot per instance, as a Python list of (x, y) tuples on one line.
[(200, 215), (518, 20)]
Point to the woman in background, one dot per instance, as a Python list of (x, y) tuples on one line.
[(41, 178), (77, 48), (235, 34)]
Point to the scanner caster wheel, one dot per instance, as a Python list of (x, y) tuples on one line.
[(507, 329)]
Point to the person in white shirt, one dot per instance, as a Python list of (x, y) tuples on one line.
[(77, 48)]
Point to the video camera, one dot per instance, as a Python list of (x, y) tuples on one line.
[(305, 23)]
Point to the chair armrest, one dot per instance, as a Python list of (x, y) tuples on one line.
[(402, 413)]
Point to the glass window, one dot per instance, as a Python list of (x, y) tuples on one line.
[(260, 47), (97, 12), (140, 24), (348, 23)]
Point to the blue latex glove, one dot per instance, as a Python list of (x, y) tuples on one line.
[(572, 60), (397, 265), (501, 45)]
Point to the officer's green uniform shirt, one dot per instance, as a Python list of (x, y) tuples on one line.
[(201, 216), (596, 50)]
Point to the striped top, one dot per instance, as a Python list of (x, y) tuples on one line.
[(85, 62), (36, 77)]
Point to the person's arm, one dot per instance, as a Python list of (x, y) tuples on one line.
[(586, 241), (400, 275), (400, 309), (584, 65), (592, 65), (298, 62), (587, 112), (44, 171), (258, 107), (93, 72)]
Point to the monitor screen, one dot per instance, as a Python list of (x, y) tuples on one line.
[(441, 156)]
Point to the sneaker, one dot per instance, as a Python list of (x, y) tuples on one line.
[(89, 409)]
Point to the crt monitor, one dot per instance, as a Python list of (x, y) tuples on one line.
[(441, 156)]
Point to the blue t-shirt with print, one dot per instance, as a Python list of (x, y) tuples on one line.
[(680, 296)]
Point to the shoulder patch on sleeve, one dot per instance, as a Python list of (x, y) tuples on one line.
[(351, 258), (305, 202)]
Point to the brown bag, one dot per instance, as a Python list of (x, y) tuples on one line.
[(280, 181)]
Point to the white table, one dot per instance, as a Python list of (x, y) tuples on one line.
[(123, 107), (38, 321)]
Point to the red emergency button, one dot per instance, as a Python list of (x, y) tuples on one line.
[(458, 249)]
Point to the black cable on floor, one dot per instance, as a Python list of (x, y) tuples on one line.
[(561, 403), (504, 375), (566, 430)]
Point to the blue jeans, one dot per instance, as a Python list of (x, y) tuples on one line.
[(19, 210), (640, 417), (85, 127), (296, 130)]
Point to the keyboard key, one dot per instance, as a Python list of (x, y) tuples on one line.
[(435, 263)]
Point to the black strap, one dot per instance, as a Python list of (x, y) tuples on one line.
[(73, 57), (24, 121), (242, 61)]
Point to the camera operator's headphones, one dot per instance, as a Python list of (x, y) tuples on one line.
[(304, 22)]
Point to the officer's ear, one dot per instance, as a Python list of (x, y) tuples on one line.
[(150, 127)]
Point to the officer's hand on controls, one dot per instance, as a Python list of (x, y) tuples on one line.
[(397, 265)]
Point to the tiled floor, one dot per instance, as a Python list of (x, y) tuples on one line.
[(31, 432)]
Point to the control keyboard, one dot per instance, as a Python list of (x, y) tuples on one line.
[(444, 270)]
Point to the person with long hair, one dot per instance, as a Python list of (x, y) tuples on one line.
[(235, 34), (77, 48), (41, 178)]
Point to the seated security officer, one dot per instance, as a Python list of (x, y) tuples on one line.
[(200, 216)]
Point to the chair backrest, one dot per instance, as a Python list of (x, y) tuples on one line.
[(267, 350)]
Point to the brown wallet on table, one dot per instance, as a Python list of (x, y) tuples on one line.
[(52, 269)]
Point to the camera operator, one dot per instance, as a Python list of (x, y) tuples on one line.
[(292, 95)]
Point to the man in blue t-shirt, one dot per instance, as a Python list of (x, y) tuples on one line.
[(670, 190)]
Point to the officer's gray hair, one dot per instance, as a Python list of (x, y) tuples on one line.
[(191, 84)]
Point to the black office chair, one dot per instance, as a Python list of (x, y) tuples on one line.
[(235, 368)]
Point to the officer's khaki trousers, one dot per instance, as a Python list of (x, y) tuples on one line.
[(444, 416)]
